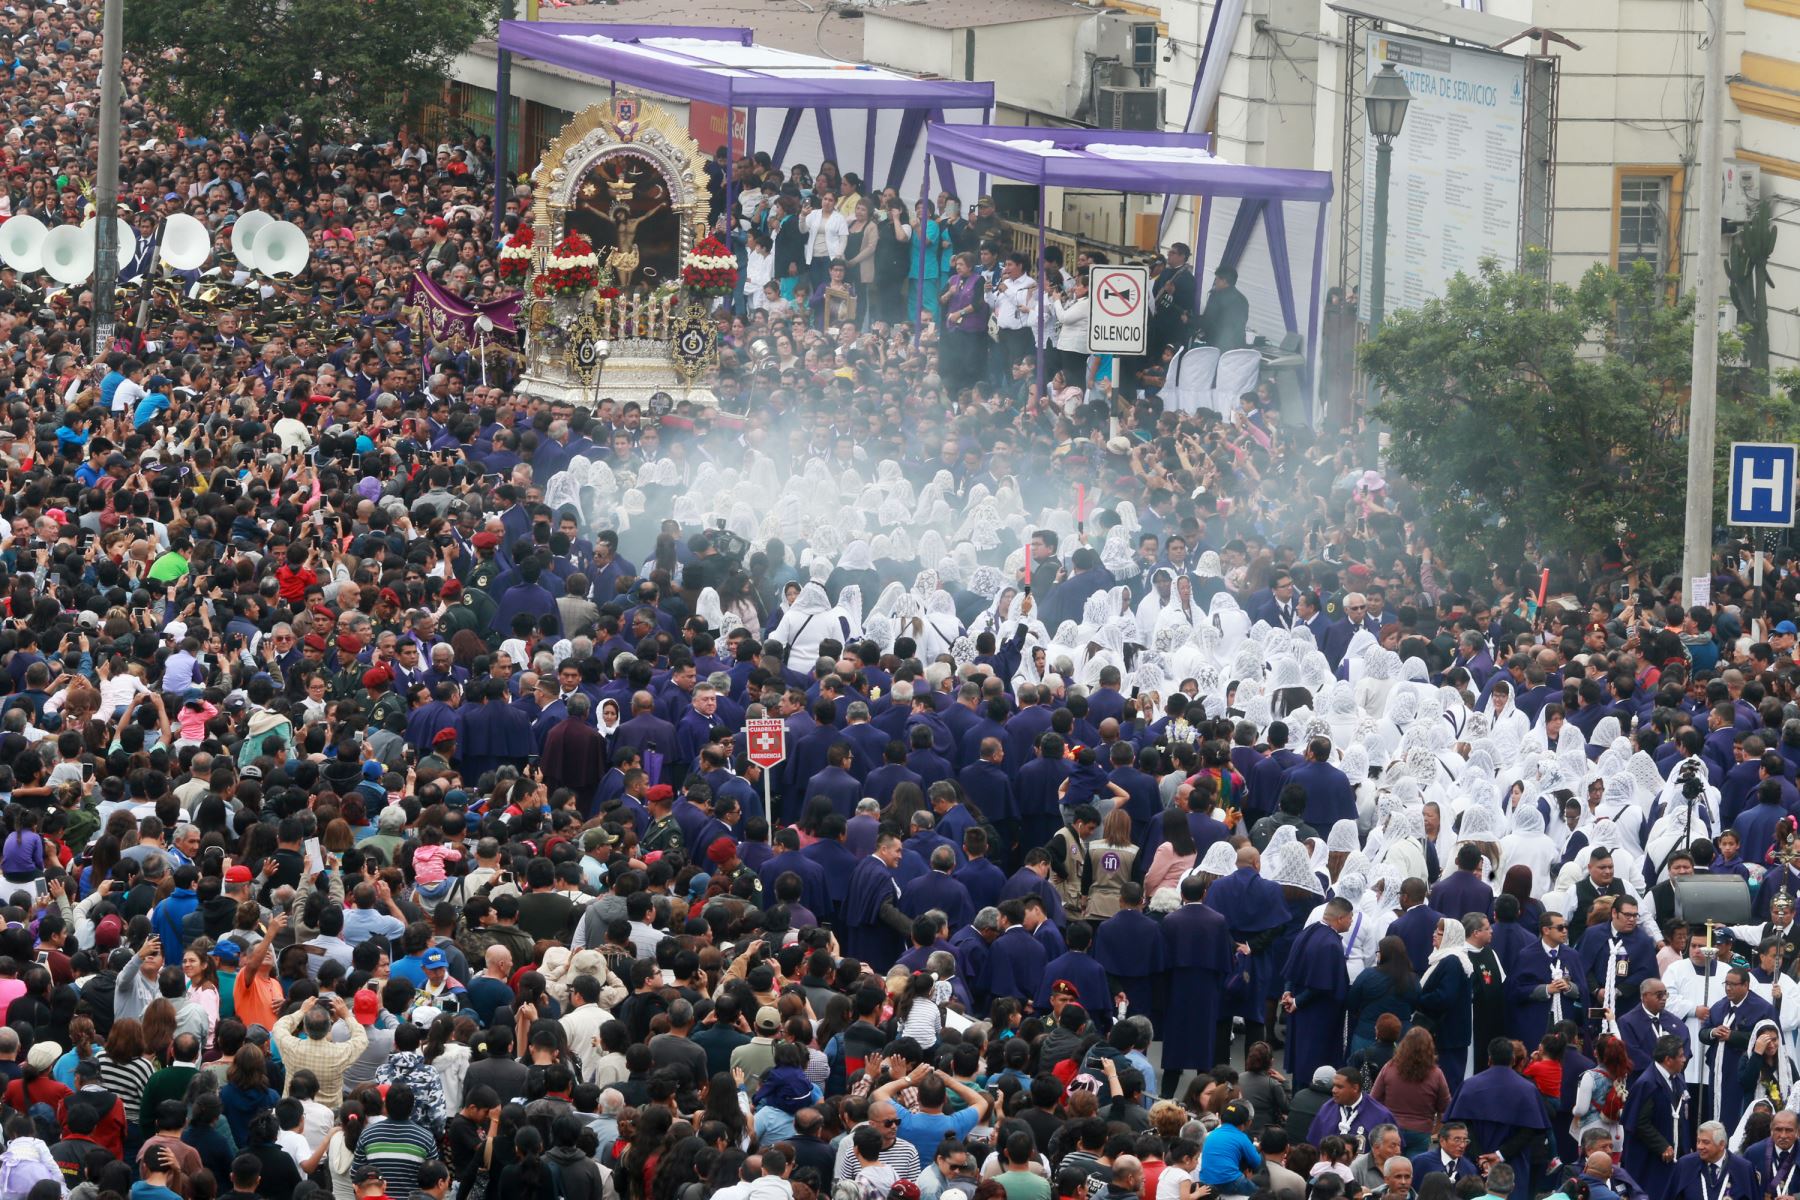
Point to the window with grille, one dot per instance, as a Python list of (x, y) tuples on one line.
[(1143, 54), (1643, 209)]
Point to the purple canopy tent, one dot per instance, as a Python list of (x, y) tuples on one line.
[(1253, 231), (724, 66)]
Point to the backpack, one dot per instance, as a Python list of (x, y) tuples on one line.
[(20, 1169)]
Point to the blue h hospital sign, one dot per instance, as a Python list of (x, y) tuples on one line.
[(1762, 484)]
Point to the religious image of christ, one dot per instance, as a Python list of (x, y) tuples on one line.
[(622, 203)]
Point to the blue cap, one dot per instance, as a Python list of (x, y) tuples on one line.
[(1786, 627), (372, 769), (227, 951), (436, 960)]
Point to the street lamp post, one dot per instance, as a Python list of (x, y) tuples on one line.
[(1386, 103)]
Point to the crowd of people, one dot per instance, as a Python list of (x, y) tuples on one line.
[(1156, 817)]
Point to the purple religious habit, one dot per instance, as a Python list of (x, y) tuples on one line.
[(1197, 946), (1130, 946), (866, 936), (1318, 981), (1354, 1121), (1250, 905), (1461, 893), (1497, 1105)]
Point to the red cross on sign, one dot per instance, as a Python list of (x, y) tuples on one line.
[(765, 741)]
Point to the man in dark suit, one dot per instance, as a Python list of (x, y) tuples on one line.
[(647, 732), (1226, 319), (1172, 299), (1281, 609), (1650, 1020), (1450, 1158)]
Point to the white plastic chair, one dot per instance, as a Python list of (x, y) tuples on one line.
[(1198, 367), (1237, 374), (1170, 395)]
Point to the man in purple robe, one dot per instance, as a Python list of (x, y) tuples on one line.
[(1080, 968), (1350, 1113), (1197, 950), (834, 858), (1130, 946), (835, 782), (1505, 1114), (815, 888), (1417, 923), (1329, 798), (978, 872), (875, 930), (1657, 1106), (1039, 792), (1033, 879), (1016, 960), (1317, 983), (1462, 891), (1256, 913), (938, 889)]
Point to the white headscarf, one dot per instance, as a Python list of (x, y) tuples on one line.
[(1291, 866), (1453, 945)]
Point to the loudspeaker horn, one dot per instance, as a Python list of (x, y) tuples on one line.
[(280, 249), (185, 242), (69, 254), (243, 233), (127, 239), (22, 243)]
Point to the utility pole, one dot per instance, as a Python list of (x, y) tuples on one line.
[(106, 177), (1696, 554)]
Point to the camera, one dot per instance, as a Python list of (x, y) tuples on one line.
[(726, 543)]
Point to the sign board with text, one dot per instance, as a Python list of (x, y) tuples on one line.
[(1119, 307), (765, 741)]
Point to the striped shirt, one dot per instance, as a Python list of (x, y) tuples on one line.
[(903, 1156), (397, 1149), (126, 1080)]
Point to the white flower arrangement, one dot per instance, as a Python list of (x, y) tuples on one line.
[(712, 262), (515, 251), (572, 262)]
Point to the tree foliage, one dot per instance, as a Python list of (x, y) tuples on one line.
[(1528, 411), (339, 66)]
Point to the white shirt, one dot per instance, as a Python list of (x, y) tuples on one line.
[(836, 229), (126, 396), (1015, 303), (1072, 318), (1687, 990)]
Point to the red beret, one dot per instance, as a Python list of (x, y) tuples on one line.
[(722, 851), (451, 589), (314, 642), (377, 677), (349, 643), (390, 596), (485, 541), (661, 791), (442, 736)]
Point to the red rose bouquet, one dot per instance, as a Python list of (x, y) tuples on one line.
[(573, 266), (515, 256), (709, 269)]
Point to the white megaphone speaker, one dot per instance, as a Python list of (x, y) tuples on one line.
[(243, 234), (22, 243), (69, 254), (280, 249), (185, 242), (127, 239)]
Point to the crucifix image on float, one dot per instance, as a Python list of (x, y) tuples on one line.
[(622, 205)]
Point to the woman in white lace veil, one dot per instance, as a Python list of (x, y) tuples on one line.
[(1149, 609)]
